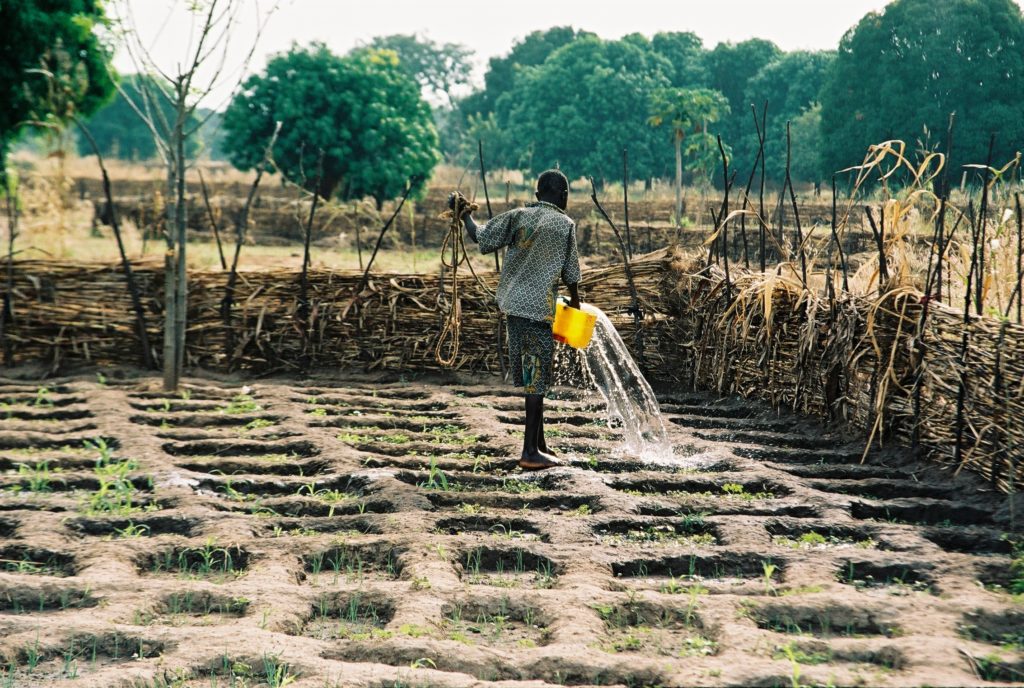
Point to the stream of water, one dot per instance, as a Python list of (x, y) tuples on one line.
[(630, 401)]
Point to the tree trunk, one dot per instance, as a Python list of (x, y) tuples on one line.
[(679, 178), (170, 281), (180, 306)]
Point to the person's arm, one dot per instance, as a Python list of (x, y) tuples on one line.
[(574, 295), (571, 275), (471, 226)]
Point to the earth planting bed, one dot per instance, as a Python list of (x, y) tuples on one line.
[(341, 532)]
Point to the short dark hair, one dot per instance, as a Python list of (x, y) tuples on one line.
[(552, 182)]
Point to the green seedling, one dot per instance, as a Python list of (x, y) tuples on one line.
[(132, 530), (43, 398), (241, 403), (38, 478), (436, 479), (768, 570)]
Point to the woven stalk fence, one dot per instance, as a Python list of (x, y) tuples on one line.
[(67, 313), (886, 368), (894, 369)]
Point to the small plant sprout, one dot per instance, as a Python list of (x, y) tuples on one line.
[(769, 570)]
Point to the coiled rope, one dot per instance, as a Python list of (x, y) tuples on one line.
[(453, 254)]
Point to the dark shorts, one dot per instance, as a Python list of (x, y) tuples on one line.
[(531, 350)]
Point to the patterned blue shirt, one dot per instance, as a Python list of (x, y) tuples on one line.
[(541, 242)]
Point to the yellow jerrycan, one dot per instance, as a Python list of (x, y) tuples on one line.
[(574, 326)]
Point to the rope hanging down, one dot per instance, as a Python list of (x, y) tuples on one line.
[(453, 254)]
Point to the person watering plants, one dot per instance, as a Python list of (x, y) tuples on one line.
[(541, 241)]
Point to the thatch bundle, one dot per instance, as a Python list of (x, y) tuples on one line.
[(884, 366), (869, 363), (65, 313)]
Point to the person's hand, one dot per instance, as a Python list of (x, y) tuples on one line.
[(457, 199), (574, 303)]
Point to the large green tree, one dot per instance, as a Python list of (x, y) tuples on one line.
[(730, 66), (685, 51), (908, 67), (791, 85), (583, 105), (31, 31), (362, 110), (687, 111), (439, 68)]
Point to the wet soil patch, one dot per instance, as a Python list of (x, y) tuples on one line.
[(885, 489), (209, 561), (311, 508), (513, 567), (465, 482), (650, 628), (32, 442), (55, 415), (202, 420), (711, 410), (1004, 627), (718, 423), (194, 607), (8, 526), (79, 655), (500, 623), (820, 536), (837, 471), (582, 504), (348, 616), (312, 526), (969, 540), (868, 574), (922, 513), (998, 573), (693, 531), (627, 466), (145, 526), (241, 448), (732, 508), (274, 464), (788, 441), (354, 563), (36, 561), (745, 490), (25, 600), (811, 652), (512, 528), (783, 455), (831, 620), (725, 565)]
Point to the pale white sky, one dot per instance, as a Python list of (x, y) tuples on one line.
[(489, 27)]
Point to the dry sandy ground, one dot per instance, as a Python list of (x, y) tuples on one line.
[(340, 532)]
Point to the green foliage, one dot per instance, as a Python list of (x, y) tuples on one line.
[(39, 35), (900, 73), (437, 68), (583, 105), (362, 110), (792, 85)]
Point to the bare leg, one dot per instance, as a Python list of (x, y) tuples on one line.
[(542, 445), (533, 458)]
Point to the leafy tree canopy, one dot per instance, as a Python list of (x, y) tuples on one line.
[(583, 105), (791, 85), (901, 72), (531, 51), (31, 32), (685, 51), (437, 68), (362, 110)]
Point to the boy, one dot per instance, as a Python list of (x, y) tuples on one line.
[(541, 241)]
